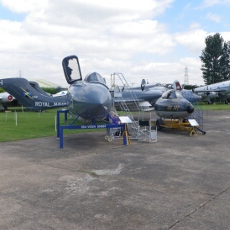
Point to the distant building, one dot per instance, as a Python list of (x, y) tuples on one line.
[(46, 84)]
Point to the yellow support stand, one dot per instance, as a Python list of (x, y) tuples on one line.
[(125, 136), (193, 132), (183, 126)]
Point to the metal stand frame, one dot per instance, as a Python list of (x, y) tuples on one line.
[(60, 128), (189, 125), (146, 131)]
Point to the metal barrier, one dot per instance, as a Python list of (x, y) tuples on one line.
[(60, 128)]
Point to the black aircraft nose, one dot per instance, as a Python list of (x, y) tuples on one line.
[(190, 109)]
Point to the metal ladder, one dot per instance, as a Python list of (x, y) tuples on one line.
[(119, 83)]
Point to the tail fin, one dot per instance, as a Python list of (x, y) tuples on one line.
[(143, 83), (177, 85), (29, 96), (36, 86)]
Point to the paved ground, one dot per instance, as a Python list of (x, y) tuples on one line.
[(180, 182)]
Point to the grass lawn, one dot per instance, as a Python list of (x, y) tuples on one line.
[(36, 124), (29, 124), (217, 106)]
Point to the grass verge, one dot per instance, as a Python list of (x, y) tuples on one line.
[(17, 125), (42, 124), (217, 106)]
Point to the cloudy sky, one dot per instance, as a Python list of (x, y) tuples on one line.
[(151, 39)]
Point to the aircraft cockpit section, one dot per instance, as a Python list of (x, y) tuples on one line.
[(71, 69), (171, 94), (95, 78), (178, 94)]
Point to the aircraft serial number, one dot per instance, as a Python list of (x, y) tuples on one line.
[(175, 107)]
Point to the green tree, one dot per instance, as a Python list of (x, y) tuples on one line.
[(225, 62), (215, 58), (2, 90), (50, 90)]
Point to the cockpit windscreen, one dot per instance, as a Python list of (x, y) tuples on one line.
[(95, 77), (171, 94)]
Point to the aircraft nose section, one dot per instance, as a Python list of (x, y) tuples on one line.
[(190, 108), (90, 101), (99, 105)]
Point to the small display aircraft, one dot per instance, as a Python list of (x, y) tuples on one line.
[(151, 92), (140, 97), (144, 99), (217, 90), (60, 94), (207, 93), (174, 111), (146, 86), (30, 95), (5, 99), (173, 105)]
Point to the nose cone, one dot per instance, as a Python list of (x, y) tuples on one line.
[(190, 108), (89, 101)]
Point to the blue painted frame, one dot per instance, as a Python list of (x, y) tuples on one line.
[(60, 128)]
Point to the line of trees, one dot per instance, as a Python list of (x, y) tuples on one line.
[(215, 58)]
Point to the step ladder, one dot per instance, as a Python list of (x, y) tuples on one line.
[(118, 85)]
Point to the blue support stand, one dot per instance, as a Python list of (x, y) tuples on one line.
[(60, 128)]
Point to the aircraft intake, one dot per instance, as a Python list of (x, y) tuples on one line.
[(10, 98)]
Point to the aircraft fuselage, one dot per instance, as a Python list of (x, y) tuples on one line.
[(175, 107), (220, 89), (89, 100)]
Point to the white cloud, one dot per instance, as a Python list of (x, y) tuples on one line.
[(213, 17), (107, 36), (24, 6), (226, 36), (193, 40), (96, 31), (208, 3), (167, 72)]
